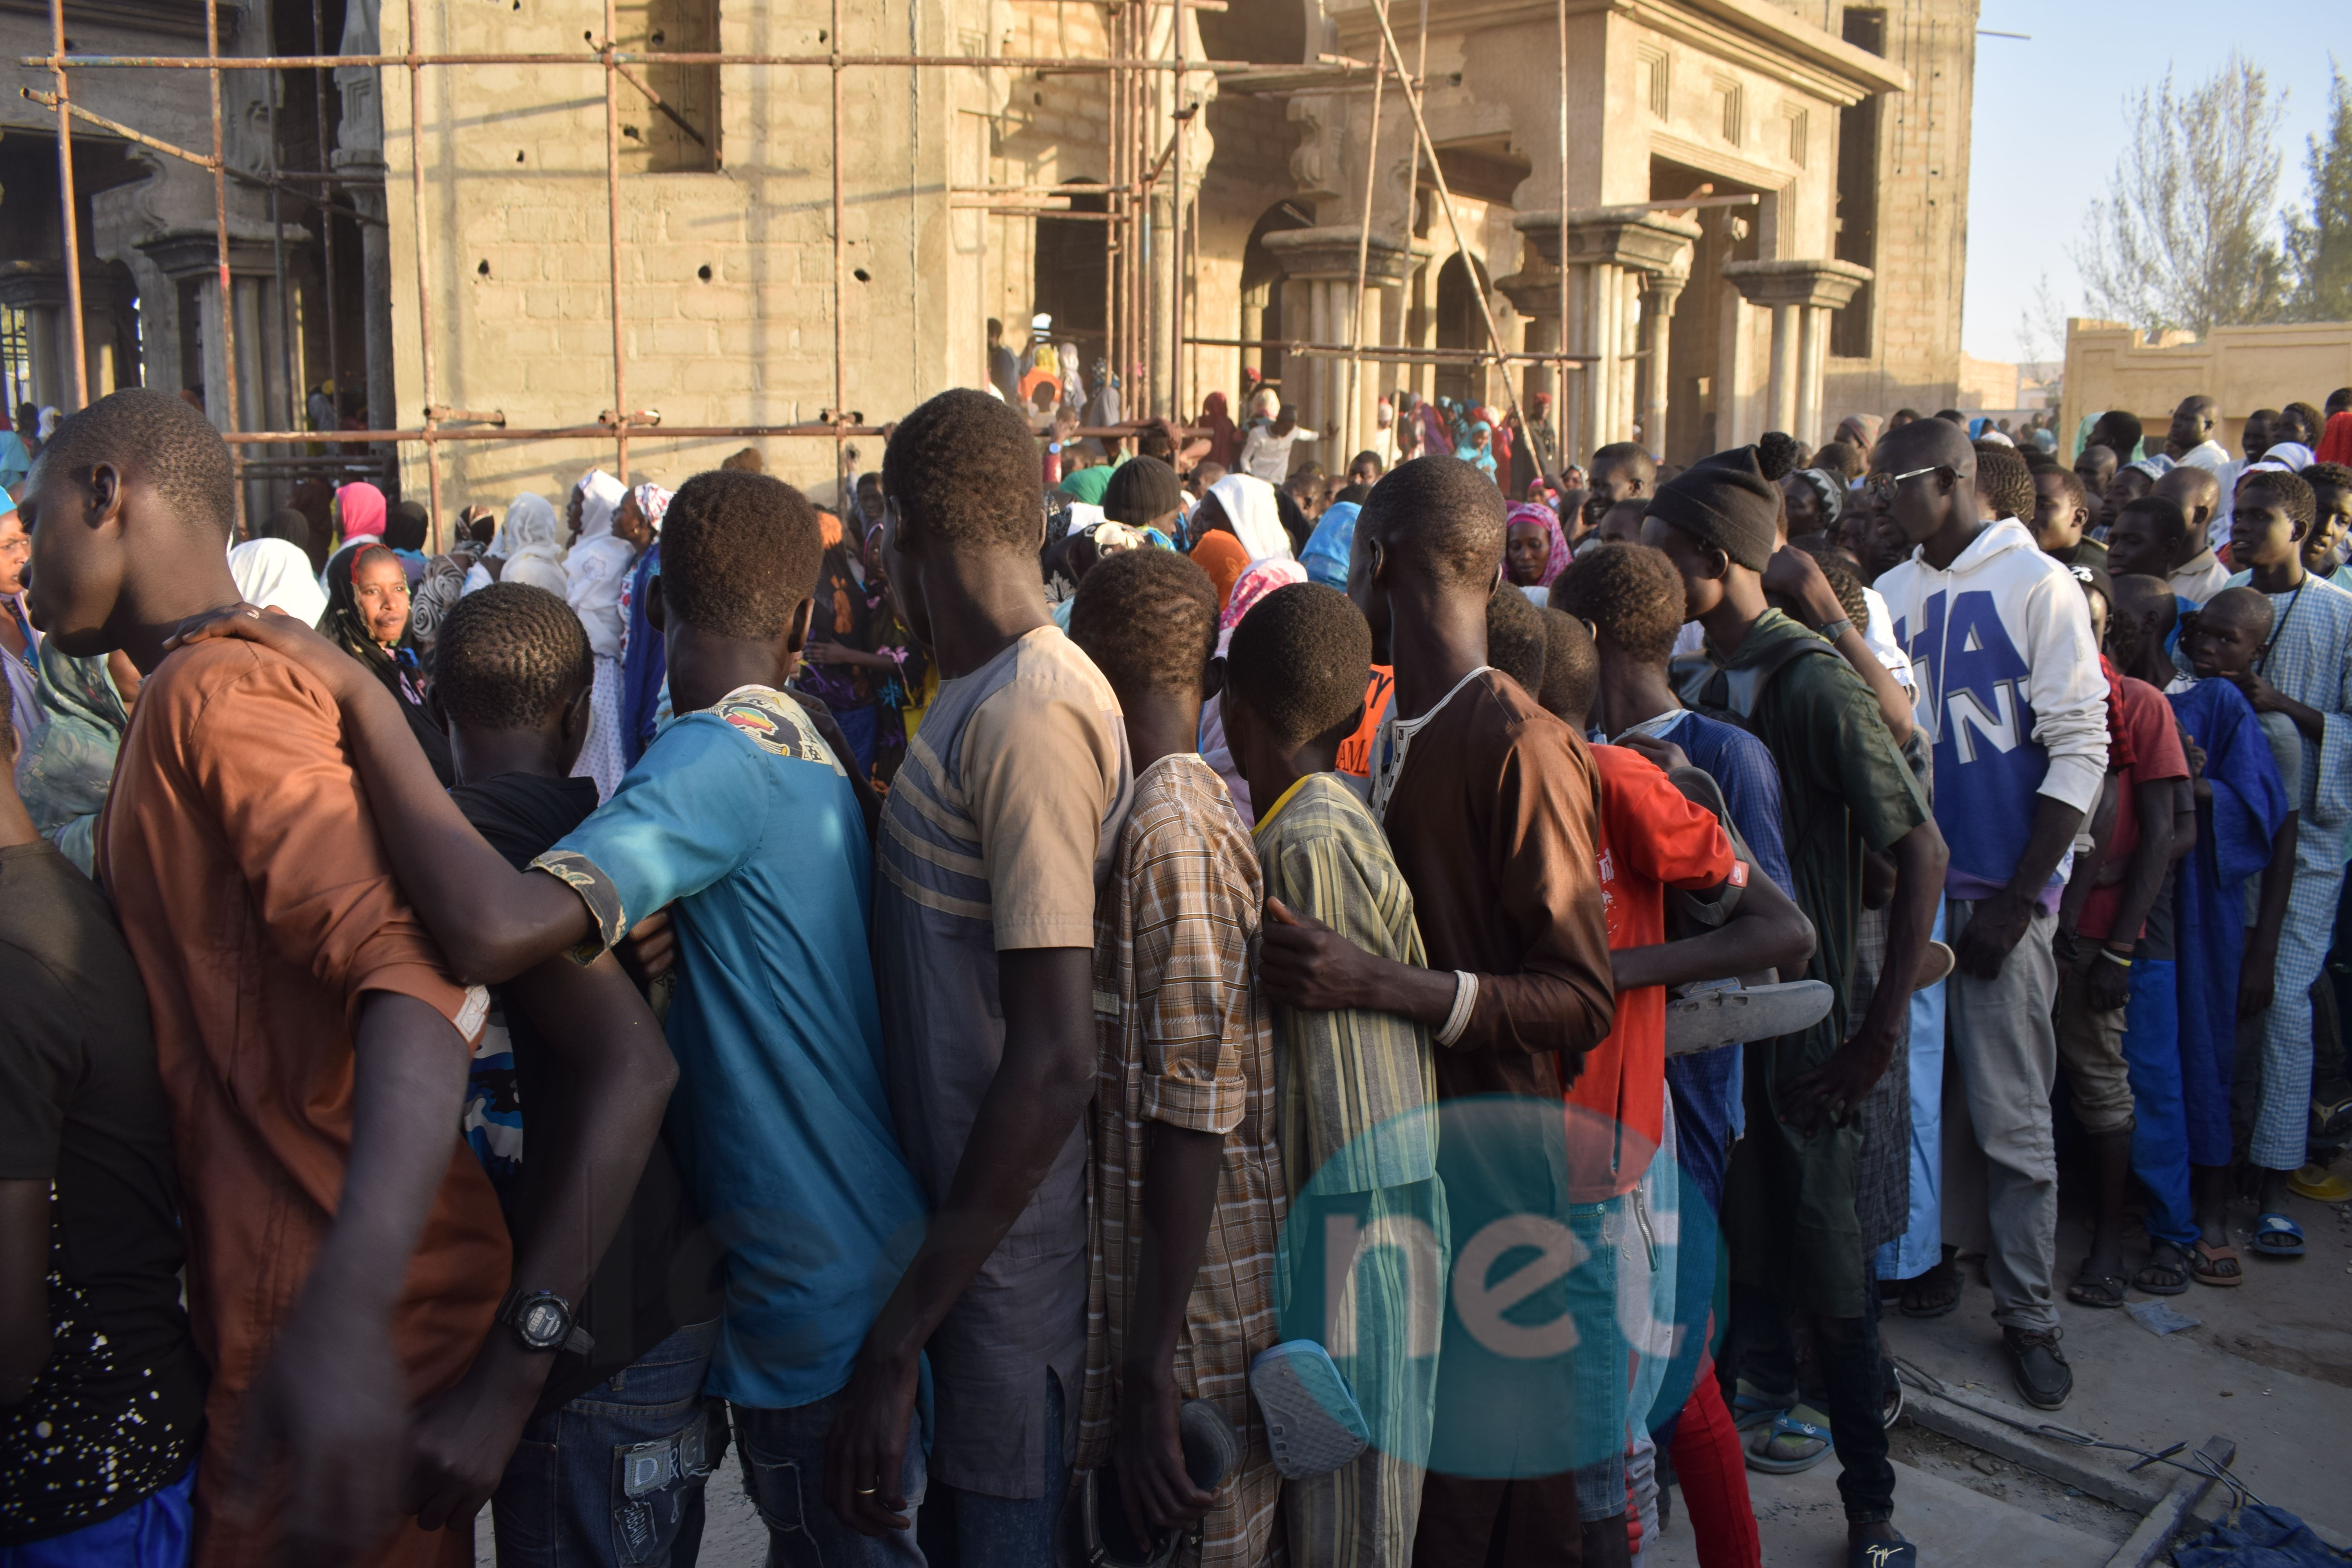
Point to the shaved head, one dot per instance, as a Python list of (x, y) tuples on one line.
[(1926, 444), (2190, 488), (2149, 600), (2240, 608)]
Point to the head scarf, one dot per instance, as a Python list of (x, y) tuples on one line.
[(2154, 467), (2335, 441), (2287, 456), (654, 502), (1221, 555), (1225, 441), (277, 571), (1469, 451), (1253, 585), (600, 497), (435, 595), (1328, 548), (361, 509), (1529, 511), (1265, 403), (1073, 383), (1864, 429), (1831, 490), (1087, 485), (49, 417), (1250, 511), (341, 619), (528, 542), (1434, 436)]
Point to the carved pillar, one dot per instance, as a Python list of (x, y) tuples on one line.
[(1799, 294), (1610, 252), (1322, 262), (1658, 299)]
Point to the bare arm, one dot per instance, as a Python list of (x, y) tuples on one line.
[(1765, 930), (24, 1287), (332, 1400), (2000, 920), (596, 1100), (1799, 577), (1180, 1195), (1042, 1085), (2091, 863)]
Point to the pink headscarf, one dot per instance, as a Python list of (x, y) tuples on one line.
[(362, 505), (1529, 511), (1251, 586)]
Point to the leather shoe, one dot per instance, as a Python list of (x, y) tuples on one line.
[(2039, 1367)]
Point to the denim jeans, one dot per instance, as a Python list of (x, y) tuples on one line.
[(971, 1530), (1600, 1358), (615, 1479), (784, 1469), (1847, 1352)]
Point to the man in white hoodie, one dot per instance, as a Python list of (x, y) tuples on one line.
[(2010, 689)]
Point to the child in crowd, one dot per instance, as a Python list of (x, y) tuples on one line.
[(598, 1204), (2326, 546), (2303, 670), (1189, 1188), (743, 817), (2061, 511), (1356, 1085), (2101, 922), (1791, 1205), (2196, 573)]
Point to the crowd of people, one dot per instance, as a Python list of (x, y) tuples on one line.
[(1129, 999)]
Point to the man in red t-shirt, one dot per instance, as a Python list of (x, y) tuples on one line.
[(2101, 919)]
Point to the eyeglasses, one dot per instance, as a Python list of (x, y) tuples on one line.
[(1884, 485)]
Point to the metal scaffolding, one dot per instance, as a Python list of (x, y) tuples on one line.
[(1148, 168)]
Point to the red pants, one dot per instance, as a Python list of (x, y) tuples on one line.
[(1713, 1472)]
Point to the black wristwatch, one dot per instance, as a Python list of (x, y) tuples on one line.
[(543, 1321)]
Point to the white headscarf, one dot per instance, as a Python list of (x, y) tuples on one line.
[(49, 421), (276, 573), (1248, 503), (1074, 382), (2284, 457), (598, 566), (527, 542)]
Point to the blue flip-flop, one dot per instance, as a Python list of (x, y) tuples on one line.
[(2277, 1224)]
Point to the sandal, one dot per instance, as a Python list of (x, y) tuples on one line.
[(1934, 1293), (2091, 1290), (2276, 1236), (1794, 1445), (2320, 1185), (2206, 1264), (1751, 1407), (2166, 1273)]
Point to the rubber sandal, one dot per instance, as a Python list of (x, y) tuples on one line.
[(2103, 1291), (2169, 1265), (1917, 1303), (2205, 1266), (1936, 965), (1312, 1422), (1790, 1428), (1735, 1014), (2320, 1185), (1883, 1554), (1751, 1407), (2270, 1224)]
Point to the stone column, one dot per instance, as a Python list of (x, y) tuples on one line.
[(1800, 294), (1322, 262), (1658, 301), (1609, 252)]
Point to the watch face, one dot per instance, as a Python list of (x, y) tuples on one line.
[(542, 1323)]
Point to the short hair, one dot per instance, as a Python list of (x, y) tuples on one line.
[(509, 656), (1629, 590), (747, 459), (2003, 478), (2187, 487), (1441, 515), (1353, 494), (1843, 581), (2314, 423), (1842, 458), (159, 438), (2339, 400), (2293, 492), (406, 525), (1779, 454), (2233, 603), (964, 467), (2126, 429), (2070, 482), (2335, 474), (1148, 618), (739, 552), (2171, 524), (995, 327), (1572, 667), (1300, 661), (1904, 414), (1515, 637), (1953, 417), (1627, 455), (1360, 458)]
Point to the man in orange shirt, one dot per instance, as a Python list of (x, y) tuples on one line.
[(346, 1251)]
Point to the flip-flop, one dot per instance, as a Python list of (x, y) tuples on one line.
[(2169, 1265), (2205, 1266), (1936, 965), (2320, 1185), (2277, 1224), (1917, 1303), (1751, 1407), (1733, 1014), (2089, 1290), (1790, 1427)]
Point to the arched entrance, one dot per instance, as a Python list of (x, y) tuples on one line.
[(1261, 280), (1459, 325), (1073, 273)]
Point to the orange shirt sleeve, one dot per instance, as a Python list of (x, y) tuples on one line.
[(264, 748), (1666, 837)]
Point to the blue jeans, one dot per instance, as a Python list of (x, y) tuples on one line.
[(971, 1530), (1600, 1358), (784, 1469), (615, 1479), (153, 1533)]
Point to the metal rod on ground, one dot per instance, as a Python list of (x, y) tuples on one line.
[(1364, 253), (1452, 218), (220, 240), (79, 380), (840, 401), (327, 214), (424, 294), (613, 236), (2163, 1522)]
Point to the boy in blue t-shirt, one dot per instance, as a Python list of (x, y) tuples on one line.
[(740, 821)]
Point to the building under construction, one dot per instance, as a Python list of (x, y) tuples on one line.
[(500, 241)]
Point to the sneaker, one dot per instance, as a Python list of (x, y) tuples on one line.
[(1732, 1015), (2038, 1367), (1312, 1422)]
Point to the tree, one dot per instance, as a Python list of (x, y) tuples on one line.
[(2319, 247), (2184, 237)]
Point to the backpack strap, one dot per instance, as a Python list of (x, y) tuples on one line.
[(1711, 687)]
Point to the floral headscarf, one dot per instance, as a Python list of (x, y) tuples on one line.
[(1557, 562), (1253, 585), (435, 595), (652, 501)]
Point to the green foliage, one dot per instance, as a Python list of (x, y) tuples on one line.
[(2319, 244)]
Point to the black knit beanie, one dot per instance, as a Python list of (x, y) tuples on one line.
[(1141, 492), (1725, 501)]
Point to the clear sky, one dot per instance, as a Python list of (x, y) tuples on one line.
[(2050, 125)]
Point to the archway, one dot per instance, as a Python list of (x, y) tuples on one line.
[(1262, 281), (1072, 272), (1459, 325)]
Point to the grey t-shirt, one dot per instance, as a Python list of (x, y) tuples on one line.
[(999, 829)]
